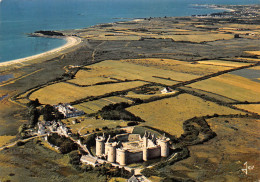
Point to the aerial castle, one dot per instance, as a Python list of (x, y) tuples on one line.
[(130, 148)]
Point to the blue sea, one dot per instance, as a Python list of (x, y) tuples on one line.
[(19, 17)]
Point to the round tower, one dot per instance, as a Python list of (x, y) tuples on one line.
[(145, 154), (164, 143), (121, 154), (145, 150), (106, 148), (111, 153), (100, 145)]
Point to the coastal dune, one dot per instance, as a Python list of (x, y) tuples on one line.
[(71, 42)]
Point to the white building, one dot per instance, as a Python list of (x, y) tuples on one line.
[(87, 159), (166, 90), (68, 111)]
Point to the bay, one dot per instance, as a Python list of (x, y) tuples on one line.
[(19, 17)]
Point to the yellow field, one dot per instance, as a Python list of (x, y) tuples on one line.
[(90, 124), (255, 68), (117, 179), (65, 93), (245, 26), (89, 78), (250, 59), (231, 86), (250, 107), (5, 139), (223, 63), (125, 70), (179, 66), (169, 114), (253, 52), (198, 38), (147, 96)]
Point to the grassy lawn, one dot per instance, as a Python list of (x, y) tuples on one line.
[(169, 114)]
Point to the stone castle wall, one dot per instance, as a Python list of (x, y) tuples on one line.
[(133, 157), (154, 152)]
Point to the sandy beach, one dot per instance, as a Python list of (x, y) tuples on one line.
[(71, 41)]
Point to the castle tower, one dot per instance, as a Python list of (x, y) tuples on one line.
[(145, 151), (111, 153), (145, 154), (100, 145), (164, 143), (121, 156), (107, 144)]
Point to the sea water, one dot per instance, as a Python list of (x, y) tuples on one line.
[(19, 17)]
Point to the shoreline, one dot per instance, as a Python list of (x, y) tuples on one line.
[(71, 42)]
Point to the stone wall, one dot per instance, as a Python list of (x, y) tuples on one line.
[(133, 157), (154, 152)]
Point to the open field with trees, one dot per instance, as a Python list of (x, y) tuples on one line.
[(224, 154)]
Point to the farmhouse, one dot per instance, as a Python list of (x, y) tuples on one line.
[(68, 111), (166, 90), (131, 148)]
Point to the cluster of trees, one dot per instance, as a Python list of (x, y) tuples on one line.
[(192, 128), (74, 159), (49, 112), (107, 169), (118, 112), (65, 144)]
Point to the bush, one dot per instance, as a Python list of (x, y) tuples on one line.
[(20, 143), (65, 144), (133, 123)]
